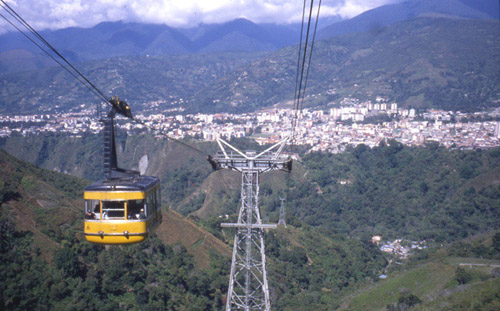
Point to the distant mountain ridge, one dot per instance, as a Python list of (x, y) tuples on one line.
[(390, 14), (112, 39), (441, 59), (427, 62)]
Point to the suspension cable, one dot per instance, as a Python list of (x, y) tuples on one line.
[(75, 73), (310, 54), (300, 83), (298, 57), (49, 55), (304, 57), (23, 22)]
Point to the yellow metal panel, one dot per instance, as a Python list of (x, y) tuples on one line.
[(115, 239), (113, 195), (117, 227)]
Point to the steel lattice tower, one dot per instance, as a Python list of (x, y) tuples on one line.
[(281, 220), (248, 288)]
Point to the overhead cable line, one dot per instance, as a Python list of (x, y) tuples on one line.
[(49, 55), (298, 58), (74, 72), (19, 19), (300, 82), (297, 99), (221, 174), (310, 54)]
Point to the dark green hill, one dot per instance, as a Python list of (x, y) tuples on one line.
[(42, 202), (392, 190), (45, 264), (397, 191)]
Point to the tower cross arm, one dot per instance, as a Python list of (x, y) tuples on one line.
[(265, 161)]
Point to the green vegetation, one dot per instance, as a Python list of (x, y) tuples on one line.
[(45, 264), (335, 203), (53, 268), (436, 283), (391, 190), (149, 276), (397, 191), (309, 269), (14, 172)]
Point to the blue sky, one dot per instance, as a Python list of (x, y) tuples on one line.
[(56, 14)]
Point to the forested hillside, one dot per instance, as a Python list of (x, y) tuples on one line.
[(334, 204), (398, 191), (46, 264), (392, 190)]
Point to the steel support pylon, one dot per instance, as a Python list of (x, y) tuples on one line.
[(248, 288), (281, 220)]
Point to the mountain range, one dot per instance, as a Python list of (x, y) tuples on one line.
[(390, 14), (419, 53), (426, 62), (111, 39)]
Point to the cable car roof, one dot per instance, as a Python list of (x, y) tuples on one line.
[(137, 183)]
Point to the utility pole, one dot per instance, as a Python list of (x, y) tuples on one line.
[(248, 288), (282, 221)]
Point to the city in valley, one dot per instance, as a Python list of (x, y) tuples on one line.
[(327, 130)]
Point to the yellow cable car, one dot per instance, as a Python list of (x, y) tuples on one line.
[(126, 207), (122, 211)]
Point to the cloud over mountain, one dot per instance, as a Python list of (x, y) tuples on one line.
[(56, 14)]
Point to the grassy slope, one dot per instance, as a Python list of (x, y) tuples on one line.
[(42, 205), (199, 242), (434, 282), (41, 201), (421, 281), (482, 181)]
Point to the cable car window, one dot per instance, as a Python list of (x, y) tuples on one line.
[(149, 204), (113, 209), (135, 208), (92, 209), (158, 196)]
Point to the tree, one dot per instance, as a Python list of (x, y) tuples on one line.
[(66, 260), (496, 242), (462, 276)]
